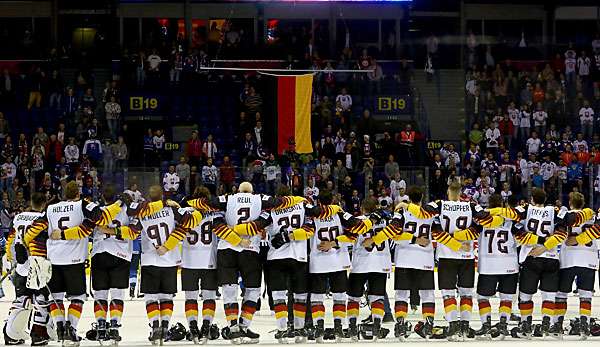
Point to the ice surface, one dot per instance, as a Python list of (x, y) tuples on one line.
[(135, 326)]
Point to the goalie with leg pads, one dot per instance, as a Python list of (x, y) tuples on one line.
[(31, 276)]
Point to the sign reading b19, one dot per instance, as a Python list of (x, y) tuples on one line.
[(392, 104), (140, 103)]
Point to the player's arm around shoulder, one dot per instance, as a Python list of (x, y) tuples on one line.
[(514, 213), (471, 233), (443, 237), (280, 202), (591, 233), (224, 232), (322, 211), (187, 219), (100, 215), (79, 232), (354, 225), (422, 212), (255, 227)]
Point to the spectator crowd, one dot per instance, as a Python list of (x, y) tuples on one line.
[(532, 124)]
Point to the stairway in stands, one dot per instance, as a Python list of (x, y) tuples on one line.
[(101, 75), (445, 110)]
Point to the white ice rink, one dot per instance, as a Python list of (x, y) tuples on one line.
[(135, 326)]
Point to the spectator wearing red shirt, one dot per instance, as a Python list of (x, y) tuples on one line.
[(406, 139), (506, 128), (583, 156), (227, 174), (595, 156), (539, 95), (557, 63), (54, 151), (194, 149), (568, 156)]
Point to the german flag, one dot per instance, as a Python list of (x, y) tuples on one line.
[(293, 113)]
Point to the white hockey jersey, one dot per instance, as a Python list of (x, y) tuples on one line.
[(454, 216), (20, 224), (498, 250), (242, 208), (156, 229), (580, 255), (286, 220), (199, 250), (336, 259), (376, 258), (540, 221), (61, 216), (412, 256), (118, 247)]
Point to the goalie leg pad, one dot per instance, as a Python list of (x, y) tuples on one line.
[(16, 323), (40, 273)]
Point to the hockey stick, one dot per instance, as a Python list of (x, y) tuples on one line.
[(7, 274)]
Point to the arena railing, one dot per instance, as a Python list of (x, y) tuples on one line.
[(145, 177)]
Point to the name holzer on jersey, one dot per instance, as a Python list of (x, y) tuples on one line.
[(63, 208)]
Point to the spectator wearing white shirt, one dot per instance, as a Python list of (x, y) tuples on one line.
[(340, 142), (524, 122), (396, 186), (272, 174), (171, 182), (484, 193), (384, 200), (484, 178), (258, 133), (311, 192), (159, 144), (401, 197), (515, 117), (506, 192), (209, 148), (570, 65), (548, 168), (154, 61), (451, 157), (492, 135), (540, 117), (344, 100), (210, 174), (533, 144), (586, 117), (72, 153), (134, 192), (580, 145), (113, 115), (583, 69), (324, 169), (9, 172), (524, 169)]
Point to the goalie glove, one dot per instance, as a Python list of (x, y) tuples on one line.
[(20, 253), (280, 239), (40, 272)]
